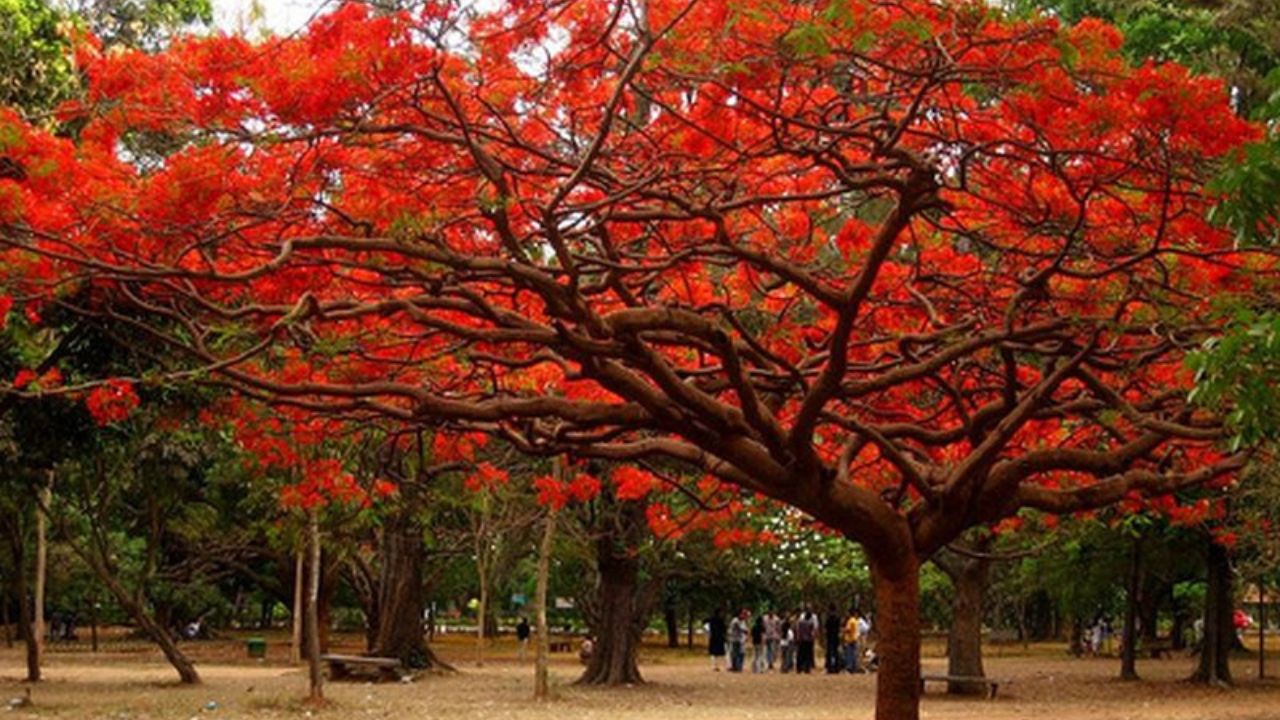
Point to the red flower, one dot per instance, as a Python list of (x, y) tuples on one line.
[(486, 477), (551, 492), (632, 483), (112, 401), (24, 378)]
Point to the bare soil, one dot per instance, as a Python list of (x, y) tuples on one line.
[(128, 681)]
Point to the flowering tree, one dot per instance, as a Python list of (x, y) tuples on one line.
[(907, 267)]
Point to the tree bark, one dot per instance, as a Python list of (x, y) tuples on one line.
[(299, 607), (1151, 593), (1129, 651), (20, 590), (897, 590), (161, 636), (316, 677), (97, 555), (541, 673), (482, 614), (39, 627), (135, 607), (1075, 643), (7, 621), (690, 626), (400, 608), (619, 620), (673, 624), (1215, 649), (964, 639)]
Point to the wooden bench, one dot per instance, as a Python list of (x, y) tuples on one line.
[(991, 685), (340, 666)]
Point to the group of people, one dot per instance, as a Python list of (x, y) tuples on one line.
[(788, 641)]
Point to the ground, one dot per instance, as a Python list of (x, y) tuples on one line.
[(128, 681)]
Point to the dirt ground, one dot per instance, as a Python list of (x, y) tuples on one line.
[(131, 682)]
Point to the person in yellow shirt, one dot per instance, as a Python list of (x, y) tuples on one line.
[(850, 635)]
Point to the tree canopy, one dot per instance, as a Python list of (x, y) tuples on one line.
[(908, 267)]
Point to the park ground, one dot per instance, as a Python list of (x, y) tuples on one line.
[(131, 682)]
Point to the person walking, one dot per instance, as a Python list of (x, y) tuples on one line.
[(739, 630), (716, 632), (806, 633), (757, 645), (522, 638), (772, 637), (851, 635), (831, 640)]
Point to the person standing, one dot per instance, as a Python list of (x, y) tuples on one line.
[(772, 637), (522, 638), (739, 629), (716, 639), (851, 635), (806, 633), (787, 641), (831, 640), (757, 645)]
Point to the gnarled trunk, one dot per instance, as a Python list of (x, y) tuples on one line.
[(618, 622), (400, 607), (897, 590), (964, 639), (1215, 647)]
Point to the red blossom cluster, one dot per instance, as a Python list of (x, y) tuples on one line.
[(111, 401), (557, 493)]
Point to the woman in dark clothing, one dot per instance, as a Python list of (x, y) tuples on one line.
[(806, 631), (831, 639), (716, 632)]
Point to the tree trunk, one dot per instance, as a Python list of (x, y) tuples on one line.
[(1150, 597), (482, 614), (1215, 650), (98, 557), (8, 624), (316, 677), (1075, 644), (897, 589), (299, 607), (964, 640), (1129, 651), (690, 626), (20, 591), (39, 627), (1178, 631), (135, 607), (618, 624), (161, 636), (400, 608), (541, 673), (673, 624), (94, 605)]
